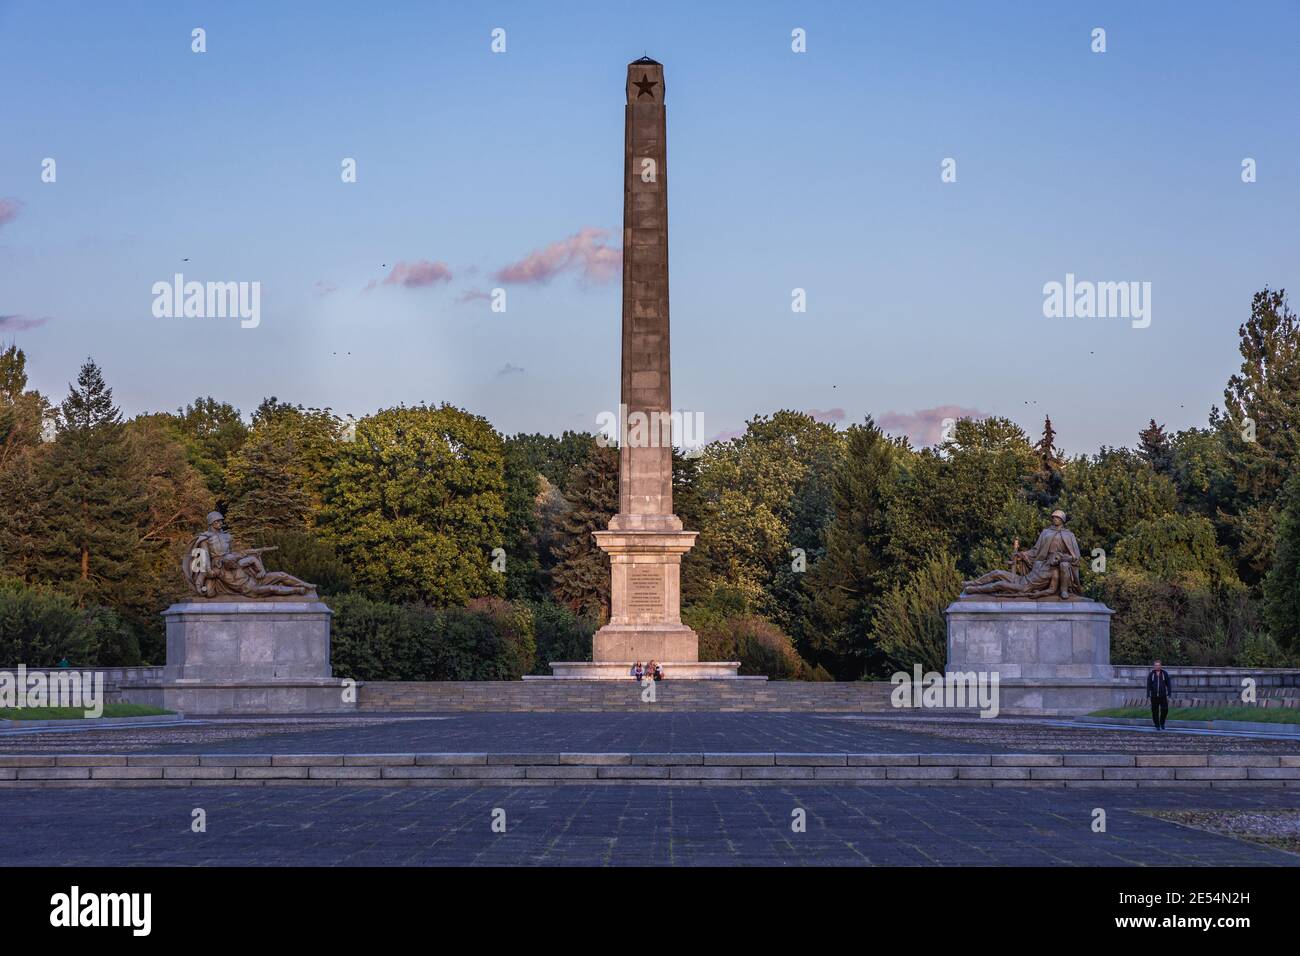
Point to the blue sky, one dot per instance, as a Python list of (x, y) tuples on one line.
[(818, 170)]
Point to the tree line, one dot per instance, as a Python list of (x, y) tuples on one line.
[(449, 550)]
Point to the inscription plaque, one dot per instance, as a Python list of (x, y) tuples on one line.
[(645, 589)]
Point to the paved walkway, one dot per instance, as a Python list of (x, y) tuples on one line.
[(629, 733), (621, 825)]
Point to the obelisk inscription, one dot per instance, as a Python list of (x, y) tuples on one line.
[(645, 540)]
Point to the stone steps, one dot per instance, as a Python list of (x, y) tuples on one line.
[(605, 695), (654, 769)]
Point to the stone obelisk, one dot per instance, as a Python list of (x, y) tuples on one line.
[(645, 540)]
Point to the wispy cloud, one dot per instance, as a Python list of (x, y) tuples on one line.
[(586, 251), (509, 369), (21, 323), (829, 415), (473, 295), (925, 426), (415, 275), (325, 287), (9, 209)]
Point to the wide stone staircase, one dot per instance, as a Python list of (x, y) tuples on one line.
[(606, 695)]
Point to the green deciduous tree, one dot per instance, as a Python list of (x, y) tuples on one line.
[(756, 498), (212, 432), (1108, 494), (909, 623), (275, 480), (1175, 548), (415, 504)]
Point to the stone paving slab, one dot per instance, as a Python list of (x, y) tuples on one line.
[(624, 825)]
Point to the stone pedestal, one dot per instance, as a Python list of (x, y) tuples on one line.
[(246, 657), (645, 620), (1051, 657)]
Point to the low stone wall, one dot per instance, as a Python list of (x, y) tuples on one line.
[(606, 695), (664, 769), (114, 677), (1216, 686), (1191, 680)]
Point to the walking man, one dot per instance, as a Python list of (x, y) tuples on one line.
[(1159, 689)]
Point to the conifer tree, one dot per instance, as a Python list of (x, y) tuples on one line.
[(1047, 483), (580, 578), (94, 501), (1156, 448), (853, 572), (1282, 585)]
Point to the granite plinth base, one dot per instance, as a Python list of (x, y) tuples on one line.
[(615, 643), (196, 698), (622, 670), (247, 640), (1038, 640), (1060, 698), (247, 657), (1052, 657)]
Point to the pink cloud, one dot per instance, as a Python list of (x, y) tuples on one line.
[(586, 251), (472, 295), (925, 426), (829, 415), (325, 287), (9, 209), (21, 323), (415, 275)]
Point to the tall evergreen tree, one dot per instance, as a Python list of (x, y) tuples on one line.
[(853, 572), (580, 578), (523, 484), (1156, 448), (1282, 585), (1260, 425), (1047, 482), (94, 499)]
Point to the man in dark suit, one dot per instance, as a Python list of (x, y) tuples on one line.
[(1159, 690)]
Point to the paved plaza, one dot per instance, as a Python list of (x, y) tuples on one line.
[(593, 826), (846, 824), (630, 733)]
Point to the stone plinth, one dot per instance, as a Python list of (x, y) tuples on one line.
[(645, 598), (246, 657), (1051, 657), (622, 670)]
